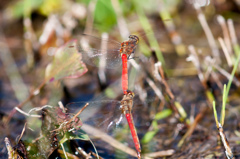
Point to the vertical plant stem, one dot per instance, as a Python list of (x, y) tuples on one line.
[(208, 33), (170, 26), (215, 113), (150, 34), (237, 51)]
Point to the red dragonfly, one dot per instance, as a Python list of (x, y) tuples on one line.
[(114, 54), (107, 115), (126, 107)]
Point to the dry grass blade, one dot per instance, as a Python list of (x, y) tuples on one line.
[(108, 139), (68, 154), (156, 89), (232, 32), (196, 62), (226, 35), (226, 52), (159, 74), (160, 153), (208, 33), (192, 127), (227, 75)]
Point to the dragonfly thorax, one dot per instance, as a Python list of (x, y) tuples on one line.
[(128, 47), (127, 102)]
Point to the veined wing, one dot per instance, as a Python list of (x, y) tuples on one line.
[(100, 52), (107, 114), (99, 113)]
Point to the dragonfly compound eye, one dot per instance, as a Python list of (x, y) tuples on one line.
[(131, 94), (134, 38)]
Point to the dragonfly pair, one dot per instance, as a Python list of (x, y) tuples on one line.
[(114, 55)]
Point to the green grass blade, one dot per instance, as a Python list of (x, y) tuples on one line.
[(223, 105), (215, 114)]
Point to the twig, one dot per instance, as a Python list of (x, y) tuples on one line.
[(79, 112), (33, 109), (39, 108), (32, 94), (82, 152), (159, 74), (67, 122), (23, 130), (27, 114), (96, 155)]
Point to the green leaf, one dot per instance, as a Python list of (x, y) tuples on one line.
[(224, 101), (163, 114), (215, 114), (50, 6), (148, 136), (155, 124), (80, 134), (67, 63), (18, 8), (104, 16), (181, 110)]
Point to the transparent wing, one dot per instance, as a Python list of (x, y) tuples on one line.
[(100, 52), (106, 115), (101, 114)]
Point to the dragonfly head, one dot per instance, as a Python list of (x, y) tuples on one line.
[(130, 93), (134, 38)]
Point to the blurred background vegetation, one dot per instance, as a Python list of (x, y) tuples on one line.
[(32, 30)]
